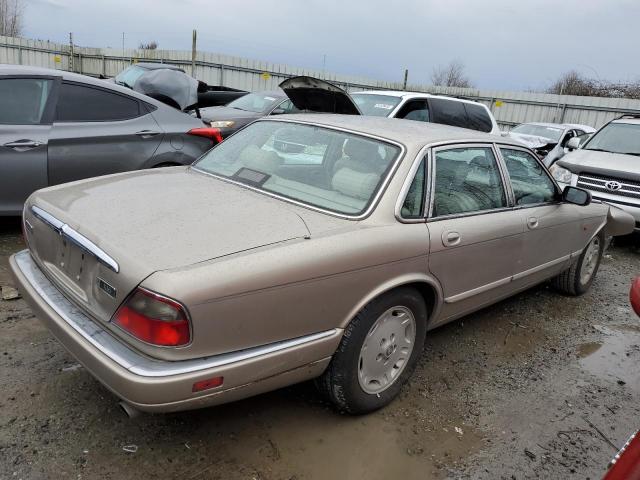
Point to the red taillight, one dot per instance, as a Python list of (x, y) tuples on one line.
[(207, 132), (154, 319)]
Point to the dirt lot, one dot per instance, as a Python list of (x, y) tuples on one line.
[(537, 386)]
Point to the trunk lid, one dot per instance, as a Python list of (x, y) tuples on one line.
[(147, 221), (315, 95)]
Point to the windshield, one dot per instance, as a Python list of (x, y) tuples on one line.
[(617, 138), (551, 133), (376, 105), (129, 76), (255, 102), (329, 169)]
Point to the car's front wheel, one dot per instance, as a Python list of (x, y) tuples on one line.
[(578, 278), (378, 352)]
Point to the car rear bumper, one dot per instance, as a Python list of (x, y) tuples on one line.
[(154, 385)]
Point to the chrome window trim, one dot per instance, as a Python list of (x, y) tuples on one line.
[(124, 356), (450, 146), (77, 238), (423, 154), (374, 202)]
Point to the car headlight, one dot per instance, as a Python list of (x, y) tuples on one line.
[(223, 123), (562, 175)]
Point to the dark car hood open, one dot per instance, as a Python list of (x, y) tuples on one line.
[(315, 95)]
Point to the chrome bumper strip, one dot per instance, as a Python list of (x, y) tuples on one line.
[(73, 236), (136, 363)]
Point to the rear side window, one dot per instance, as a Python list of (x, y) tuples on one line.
[(467, 180), (23, 100), (79, 103), (449, 112), (478, 117)]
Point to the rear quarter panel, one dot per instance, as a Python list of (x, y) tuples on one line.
[(292, 289)]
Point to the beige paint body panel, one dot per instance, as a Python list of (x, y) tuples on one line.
[(254, 270)]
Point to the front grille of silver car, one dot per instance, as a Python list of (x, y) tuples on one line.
[(598, 183)]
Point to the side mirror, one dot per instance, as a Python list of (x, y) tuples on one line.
[(573, 144), (278, 111), (575, 195)]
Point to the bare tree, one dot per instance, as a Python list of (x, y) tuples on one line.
[(573, 83), (11, 17), (451, 75), (152, 45)]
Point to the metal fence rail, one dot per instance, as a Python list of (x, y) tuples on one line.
[(509, 108)]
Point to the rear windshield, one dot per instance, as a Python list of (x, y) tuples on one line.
[(255, 102), (375, 105), (552, 133), (329, 169), (617, 138)]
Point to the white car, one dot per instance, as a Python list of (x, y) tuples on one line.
[(425, 107), (549, 140)]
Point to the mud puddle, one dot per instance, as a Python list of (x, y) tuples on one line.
[(616, 357)]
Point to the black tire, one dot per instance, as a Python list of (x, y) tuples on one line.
[(569, 282), (339, 383)]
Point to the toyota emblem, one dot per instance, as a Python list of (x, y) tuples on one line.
[(613, 185)]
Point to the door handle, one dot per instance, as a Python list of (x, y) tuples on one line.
[(450, 238), (532, 222), (147, 133), (22, 145)]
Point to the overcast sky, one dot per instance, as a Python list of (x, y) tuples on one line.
[(504, 44)]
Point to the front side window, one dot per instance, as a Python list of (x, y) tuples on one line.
[(130, 75), (413, 205), (617, 138), (414, 110), (530, 182), (467, 180), (23, 100), (329, 169), (80, 103), (374, 104)]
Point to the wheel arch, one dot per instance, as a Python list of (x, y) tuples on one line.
[(428, 288)]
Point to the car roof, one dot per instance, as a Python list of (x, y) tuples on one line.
[(561, 125), (407, 132), (76, 77), (158, 66), (632, 120), (402, 94)]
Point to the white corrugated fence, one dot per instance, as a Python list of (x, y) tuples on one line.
[(509, 108)]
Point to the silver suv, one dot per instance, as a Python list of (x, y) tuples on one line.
[(607, 165)]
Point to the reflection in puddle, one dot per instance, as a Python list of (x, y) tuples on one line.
[(616, 357), (587, 349)]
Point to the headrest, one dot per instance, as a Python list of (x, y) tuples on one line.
[(355, 184)]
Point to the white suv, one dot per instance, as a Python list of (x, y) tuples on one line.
[(427, 108), (608, 165)]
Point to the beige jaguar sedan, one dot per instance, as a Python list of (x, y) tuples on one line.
[(308, 246)]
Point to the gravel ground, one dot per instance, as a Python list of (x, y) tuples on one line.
[(538, 386)]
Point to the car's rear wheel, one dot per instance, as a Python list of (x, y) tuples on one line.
[(578, 278), (378, 352)]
